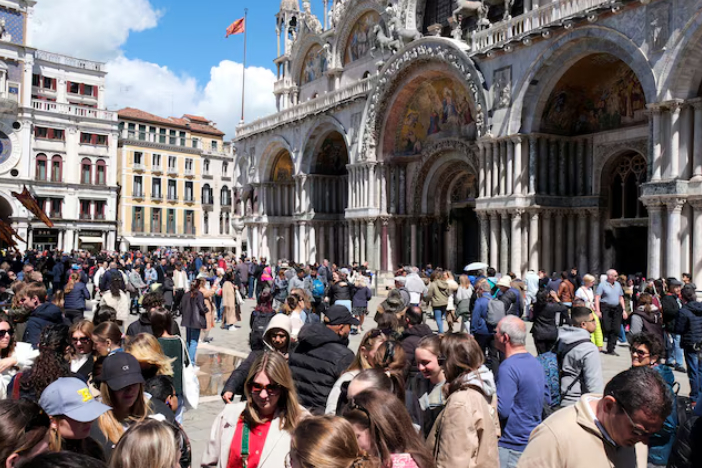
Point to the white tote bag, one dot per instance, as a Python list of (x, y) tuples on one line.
[(191, 384)]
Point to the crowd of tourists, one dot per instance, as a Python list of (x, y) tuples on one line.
[(84, 384)]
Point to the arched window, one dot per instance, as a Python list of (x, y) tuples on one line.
[(41, 167), (56, 168), (100, 172), (86, 171), (206, 194), (225, 196), (629, 174)]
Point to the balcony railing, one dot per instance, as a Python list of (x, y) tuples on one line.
[(100, 217), (157, 169), (173, 170), (138, 167), (156, 196), (69, 109), (189, 199), (69, 61), (86, 216), (189, 172), (172, 198), (138, 194)]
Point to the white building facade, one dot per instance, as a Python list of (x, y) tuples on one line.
[(57, 139), (568, 133)]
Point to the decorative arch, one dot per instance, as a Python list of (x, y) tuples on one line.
[(553, 63), (283, 168), (392, 76), (449, 151), (604, 156), (314, 139), (348, 23), (682, 72), (276, 144), (310, 59)]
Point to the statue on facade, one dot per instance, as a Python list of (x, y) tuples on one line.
[(400, 33), (381, 41), (4, 35), (312, 22)]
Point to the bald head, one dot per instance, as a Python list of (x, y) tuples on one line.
[(513, 327)]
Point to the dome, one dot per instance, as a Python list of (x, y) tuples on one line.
[(293, 5)]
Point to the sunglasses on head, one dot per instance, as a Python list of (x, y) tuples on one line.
[(271, 389), (4, 333)]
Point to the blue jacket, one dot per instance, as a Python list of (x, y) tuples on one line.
[(45, 314), (688, 323), (57, 273), (75, 300), (661, 443), (478, 322)]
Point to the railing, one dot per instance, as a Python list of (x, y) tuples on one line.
[(138, 167), (69, 61), (549, 14), (78, 111), (172, 198), (86, 216), (100, 217), (189, 199), (173, 170), (189, 172), (156, 196), (158, 168), (312, 106), (138, 194)]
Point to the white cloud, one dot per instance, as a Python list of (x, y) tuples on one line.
[(90, 29), (97, 29)]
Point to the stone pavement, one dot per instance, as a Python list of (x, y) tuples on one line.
[(218, 358)]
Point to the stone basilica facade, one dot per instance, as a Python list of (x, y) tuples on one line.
[(531, 134)]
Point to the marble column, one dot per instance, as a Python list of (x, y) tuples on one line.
[(494, 239), (484, 237), (356, 242), (510, 175), (303, 241), (504, 242), (518, 176), (393, 190), (402, 191), (696, 269), (496, 169), (559, 237), (384, 244), (672, 241), (657, 162), (488, 170), (655, 237), (589, 171), (579, 169), (543, 167), (350, 240), (516, 242), (413, 242), (673, 143), (534, 240), (481, 170), (697, 140), (370, 244), (391, 244), (533, 164), (562, 167), (312, 244), (571, 254), (553, 167), (581, 246), (546, 246)]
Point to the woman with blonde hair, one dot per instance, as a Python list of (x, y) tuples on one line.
[(365, 359), (146, 348), (256, 433), (468, 416), (82, 358), (148, 443), (328, 442), (587, 295)]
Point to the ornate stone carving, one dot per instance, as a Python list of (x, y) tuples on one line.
[(658, 25), (311, 21), (502, 88), (603, 152), (392, 78)]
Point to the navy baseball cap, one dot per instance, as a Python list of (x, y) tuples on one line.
[(71, 397), (121, 370)]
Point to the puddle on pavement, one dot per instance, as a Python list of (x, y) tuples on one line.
[(215, 369)]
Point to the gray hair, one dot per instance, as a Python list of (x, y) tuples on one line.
[(513, 327)]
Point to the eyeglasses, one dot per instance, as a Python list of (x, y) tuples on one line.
[(271, 389), (636, 429), (640, 353), (4, 333), (84, 340)]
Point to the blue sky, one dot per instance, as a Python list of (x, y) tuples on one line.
[(170, 57)]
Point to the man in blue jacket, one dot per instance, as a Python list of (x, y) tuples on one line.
[(41, 313)]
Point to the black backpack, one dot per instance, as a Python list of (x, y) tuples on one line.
[(258, 328)]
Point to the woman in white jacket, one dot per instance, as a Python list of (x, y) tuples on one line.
[(266, 419), (118, 300), (14, 357)]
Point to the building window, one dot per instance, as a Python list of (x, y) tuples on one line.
[(182, 138), (156, 220), (85, 209), (86, 169), (49, 133), (93, 139), (213, 145), (138, 158), (225, 169), (41, 167), (36, 80), (156, 188), (189, 195), (56, 168), (205, 223), (206, 194), (100, 209), (189, 222), (138, 188), (100, 172), (156, 160), (172, 163), (225, 197), (142, 132), (172, 189), (171, 222), (56, 204), (196, 141), (206, 166), (88, 90), (625, 187), (73, 88), (138, 219), (162, 136), (172, 137)]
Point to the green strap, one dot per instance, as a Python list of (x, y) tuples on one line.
[(245, 445)]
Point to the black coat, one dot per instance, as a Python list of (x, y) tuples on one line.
[(545, 326), (318, 361), (689, 324), (46, 314), (670, 306), (193, 309), (143, 325), (340, 291)]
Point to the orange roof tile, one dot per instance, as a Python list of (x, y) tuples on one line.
[(196, 118), (192, 122)]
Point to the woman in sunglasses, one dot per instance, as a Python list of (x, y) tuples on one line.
[(82, 359), (14, 356), (24, 432), (256, 433)]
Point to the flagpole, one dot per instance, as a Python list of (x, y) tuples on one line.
[(243, 69)]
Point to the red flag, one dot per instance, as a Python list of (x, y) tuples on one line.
[(237, 27), (31, 204)]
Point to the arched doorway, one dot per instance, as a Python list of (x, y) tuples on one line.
[(626, 229)]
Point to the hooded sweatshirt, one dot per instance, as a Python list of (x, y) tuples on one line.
[(647, 322), (582, 365), (439, 293), (689, 323), (319, 360)]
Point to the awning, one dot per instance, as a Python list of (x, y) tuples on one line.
[(91, 240)]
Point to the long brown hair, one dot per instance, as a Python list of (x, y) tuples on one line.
[(108, 423), (10, 347), (370, 339), (461, 355), (75, 277), (23, 425), (390, 426), (329, 442), (276, 369)]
